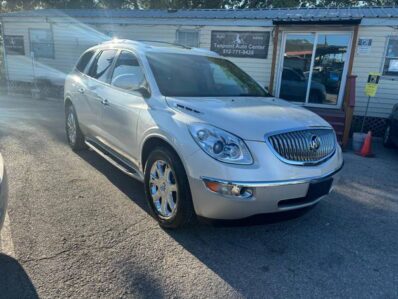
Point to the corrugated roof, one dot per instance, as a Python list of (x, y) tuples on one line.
[(282, 14)]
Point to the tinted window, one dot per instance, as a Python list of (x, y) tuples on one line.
[(84, 60), (290, 75), (201, 76), (102, 64), (127, 64)]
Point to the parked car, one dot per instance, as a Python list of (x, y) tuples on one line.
[(295, 84), (202, 135), (3, 191), (391, 133)]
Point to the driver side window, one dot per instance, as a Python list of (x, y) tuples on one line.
[(127, 66)]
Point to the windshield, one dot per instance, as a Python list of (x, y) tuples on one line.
[(186, 75)]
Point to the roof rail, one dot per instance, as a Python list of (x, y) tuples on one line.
[(161, 42), (143, 42), (117, 40)]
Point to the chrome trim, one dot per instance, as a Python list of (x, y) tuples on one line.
[(293, 131), (274, 183), (93, 147)]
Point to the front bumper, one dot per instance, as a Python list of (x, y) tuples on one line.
[(267, 196), (3, 192)]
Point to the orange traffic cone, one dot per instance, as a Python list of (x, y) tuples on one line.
[(366, 150)]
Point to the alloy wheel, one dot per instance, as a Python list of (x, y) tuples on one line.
[(71, 126), (163, 189)]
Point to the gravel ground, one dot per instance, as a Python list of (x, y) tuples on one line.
[(81, 229)]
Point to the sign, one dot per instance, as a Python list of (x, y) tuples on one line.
[(372, 84), (14, 44), (364, 45), (253, 44)]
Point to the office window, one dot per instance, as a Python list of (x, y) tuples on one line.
[(189, 38), (41, 43), (390, 67)]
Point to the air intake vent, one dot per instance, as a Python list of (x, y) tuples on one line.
[(179, 106)]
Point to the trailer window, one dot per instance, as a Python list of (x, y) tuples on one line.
[(390, 67), (188, 38), (41, 43)]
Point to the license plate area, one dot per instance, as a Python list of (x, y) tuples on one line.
[(319, 189), (316, 190)]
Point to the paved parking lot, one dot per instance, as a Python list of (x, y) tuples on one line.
[(79, 228)]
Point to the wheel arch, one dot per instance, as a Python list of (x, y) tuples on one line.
[(154, 141)]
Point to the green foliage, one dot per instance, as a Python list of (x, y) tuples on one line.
[(12, 5)]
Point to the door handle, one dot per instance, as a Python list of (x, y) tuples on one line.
[(105, 102), (81, 90)]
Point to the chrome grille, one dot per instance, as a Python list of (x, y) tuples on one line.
[(310, 146)]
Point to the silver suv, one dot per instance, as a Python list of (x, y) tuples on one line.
[(204, 137)]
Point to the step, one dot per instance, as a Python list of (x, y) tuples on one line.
[(118, 162)]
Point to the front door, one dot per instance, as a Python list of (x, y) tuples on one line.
[(314, 68), (121, 113)]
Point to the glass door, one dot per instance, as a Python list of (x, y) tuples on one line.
[(314, 68)]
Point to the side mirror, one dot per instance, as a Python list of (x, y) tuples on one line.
[(127, 81), (131, 82)]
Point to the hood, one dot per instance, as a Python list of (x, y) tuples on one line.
[(249, 118)]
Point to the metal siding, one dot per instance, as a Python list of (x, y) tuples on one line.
[(387, 94), (282, 13)]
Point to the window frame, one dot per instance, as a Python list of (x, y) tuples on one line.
[(98, 54), (120, 50), (52, 42), (383, 64), (88, 65), (183, 30)]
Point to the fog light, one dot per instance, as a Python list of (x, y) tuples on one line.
[(228, 189)]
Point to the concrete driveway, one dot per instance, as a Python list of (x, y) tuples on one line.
[(79, 228)]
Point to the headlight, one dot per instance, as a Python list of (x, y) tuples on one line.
[(221, 145)]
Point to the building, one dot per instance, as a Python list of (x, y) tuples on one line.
[(308, 56)]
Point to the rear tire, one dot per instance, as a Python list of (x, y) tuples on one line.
[(74, 135), (167, 189), (387, 142)]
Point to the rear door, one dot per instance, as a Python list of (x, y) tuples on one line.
[(78, 81), (97, 84)]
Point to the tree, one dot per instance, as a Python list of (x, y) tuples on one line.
[(12, 5)]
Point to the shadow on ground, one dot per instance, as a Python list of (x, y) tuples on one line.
[(14, 282), (334, 249)]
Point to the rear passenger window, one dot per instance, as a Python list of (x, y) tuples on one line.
[(84, 60), (102, 64)]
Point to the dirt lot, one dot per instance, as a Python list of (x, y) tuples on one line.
[(77, 227)]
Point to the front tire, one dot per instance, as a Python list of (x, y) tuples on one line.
[(74, 135), (167, 189)]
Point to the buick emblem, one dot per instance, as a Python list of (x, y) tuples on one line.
[(315, 143)]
